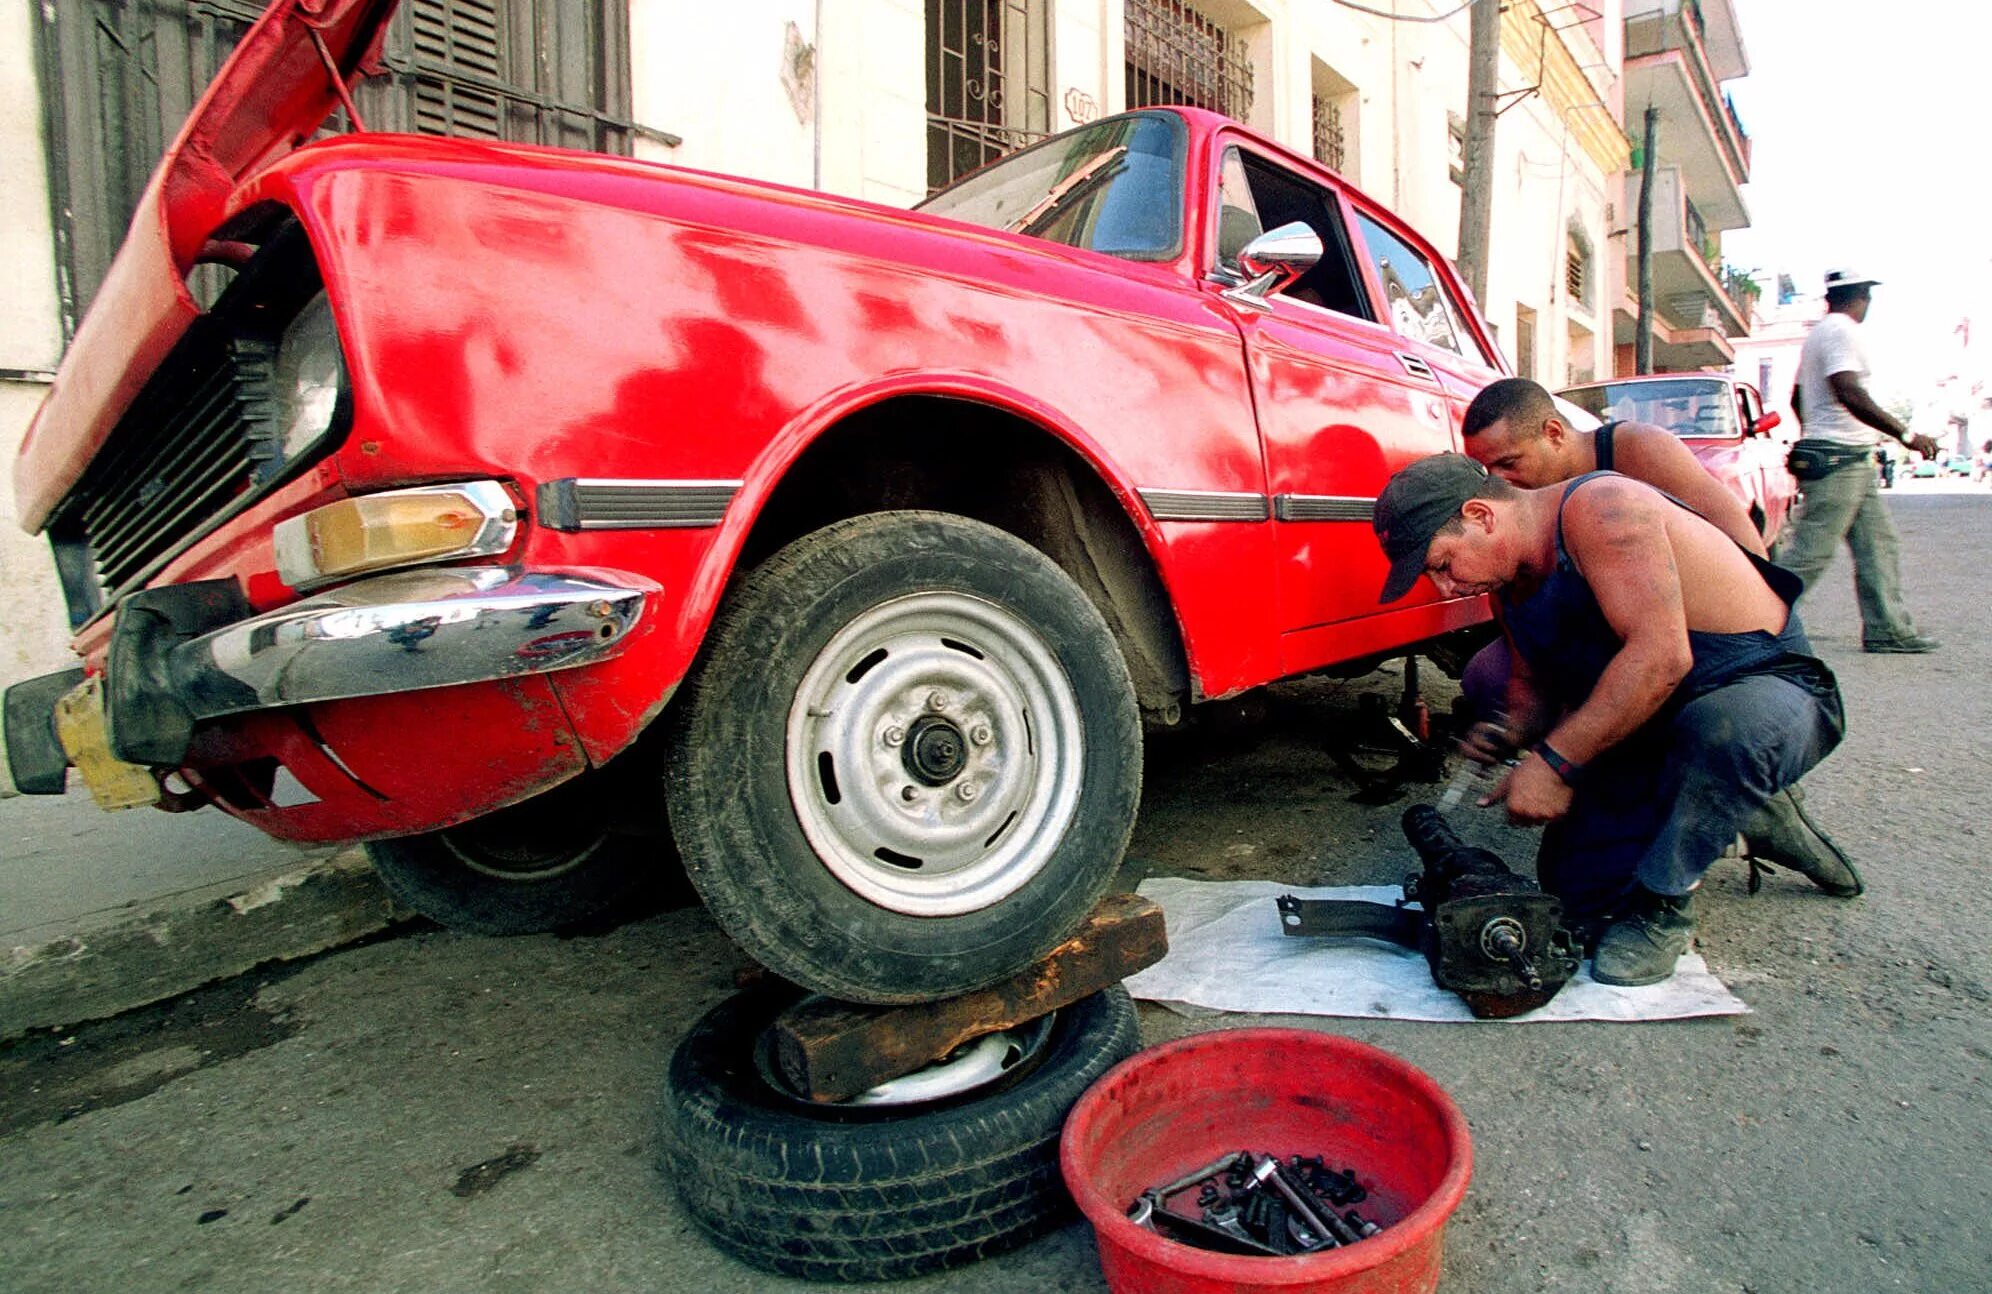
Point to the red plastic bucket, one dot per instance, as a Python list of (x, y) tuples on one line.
[(1169, 1109)]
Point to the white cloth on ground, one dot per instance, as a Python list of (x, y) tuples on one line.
[(1227, 952)]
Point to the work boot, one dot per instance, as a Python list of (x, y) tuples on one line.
[(1913, 645), (1642, 946), (1784, 834)]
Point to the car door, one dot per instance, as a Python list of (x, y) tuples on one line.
[(1425, 308), (1342, 404)]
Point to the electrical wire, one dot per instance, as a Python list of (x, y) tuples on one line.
[(1405, 17)]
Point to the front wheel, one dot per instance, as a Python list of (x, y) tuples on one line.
[(909, 762)]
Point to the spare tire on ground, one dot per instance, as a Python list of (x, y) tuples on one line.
[(939, 1169)]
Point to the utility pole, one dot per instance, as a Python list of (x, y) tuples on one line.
[(1642, 346), (1476, 194)]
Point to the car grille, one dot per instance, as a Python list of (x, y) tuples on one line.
[(200, 441), (198, 437)]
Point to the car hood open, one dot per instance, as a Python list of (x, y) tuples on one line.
[(283, 80)]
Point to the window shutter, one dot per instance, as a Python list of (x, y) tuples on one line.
[(460, 35)]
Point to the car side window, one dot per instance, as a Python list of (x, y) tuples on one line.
[(1417, 302), (1254, 196)]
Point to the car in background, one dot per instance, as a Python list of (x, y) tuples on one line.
[(1958, 465), (1721, 421)]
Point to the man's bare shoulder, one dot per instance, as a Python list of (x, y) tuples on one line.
[(1643, 443), (1610, 507), (1657, 456)]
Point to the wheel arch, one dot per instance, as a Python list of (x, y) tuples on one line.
[(1023, 472)]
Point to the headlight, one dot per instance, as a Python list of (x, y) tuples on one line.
[(309, 378), (377, 532)]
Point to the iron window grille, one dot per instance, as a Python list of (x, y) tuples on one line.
[(120, 77), (1175, 55), (1576, 276), (988, 82), (1328, 132)]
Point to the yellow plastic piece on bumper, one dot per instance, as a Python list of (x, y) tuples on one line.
[(79, 726)]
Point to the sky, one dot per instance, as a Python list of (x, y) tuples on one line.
[(1869, 124)]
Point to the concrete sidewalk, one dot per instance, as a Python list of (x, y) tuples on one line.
[(103, 912)]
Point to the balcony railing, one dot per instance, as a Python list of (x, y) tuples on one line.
[(1661, 33)]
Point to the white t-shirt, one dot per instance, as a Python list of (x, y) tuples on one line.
[(1833, 346)]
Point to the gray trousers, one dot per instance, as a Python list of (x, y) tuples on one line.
[(1845, 504)]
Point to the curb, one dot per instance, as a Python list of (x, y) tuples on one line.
[(200, 937)]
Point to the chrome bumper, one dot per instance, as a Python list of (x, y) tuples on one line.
[(406, 631)]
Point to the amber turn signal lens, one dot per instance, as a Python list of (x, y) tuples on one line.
[(375, 532)]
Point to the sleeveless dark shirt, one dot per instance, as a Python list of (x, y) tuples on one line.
[(1563, 636), (1601, 440)]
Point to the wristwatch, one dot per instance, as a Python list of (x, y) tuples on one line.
[(1558, 765)]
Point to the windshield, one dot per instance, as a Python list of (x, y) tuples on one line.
[(1684, 406), (1114, 187)]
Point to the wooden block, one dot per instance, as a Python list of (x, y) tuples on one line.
[(835, 1050)]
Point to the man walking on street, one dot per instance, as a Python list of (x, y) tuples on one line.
[(1834, 460), (1664, 690)]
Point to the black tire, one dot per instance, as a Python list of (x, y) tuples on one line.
[(549, 863), (743, 835), (841, 1193)]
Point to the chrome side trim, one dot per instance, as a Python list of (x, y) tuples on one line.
[(407, 631), (1323, 507), (1205, 505), (604, 503)]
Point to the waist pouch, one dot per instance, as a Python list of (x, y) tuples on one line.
[(1811, 459)]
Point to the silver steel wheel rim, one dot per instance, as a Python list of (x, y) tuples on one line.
[(906, 674), (970, 1066)]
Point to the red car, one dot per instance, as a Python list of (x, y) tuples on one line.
[(1721, 420), (511, 503)]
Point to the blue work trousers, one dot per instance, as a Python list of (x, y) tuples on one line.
[(1658, 809)]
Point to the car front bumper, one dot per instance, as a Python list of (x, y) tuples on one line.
[(183, 654)]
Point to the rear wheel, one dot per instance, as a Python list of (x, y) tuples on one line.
[(909, 762)]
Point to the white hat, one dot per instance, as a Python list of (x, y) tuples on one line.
[(1846, 278)]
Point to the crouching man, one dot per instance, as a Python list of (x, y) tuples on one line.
[(1512, 429), (1662, 692)]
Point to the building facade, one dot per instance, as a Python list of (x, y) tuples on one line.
[(883, 100), (1678, 55)]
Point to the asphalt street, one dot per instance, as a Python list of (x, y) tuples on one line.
[(310, 1128)]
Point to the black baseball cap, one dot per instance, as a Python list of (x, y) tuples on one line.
[(1413, 507)]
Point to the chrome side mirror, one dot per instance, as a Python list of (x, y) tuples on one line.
[(1275, 259)]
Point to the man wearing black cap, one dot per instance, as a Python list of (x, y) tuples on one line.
[(1664, 690), (1513, 429), (1842, 425)]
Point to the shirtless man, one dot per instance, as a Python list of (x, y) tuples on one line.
[(1512, 429), (1663, 688)]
